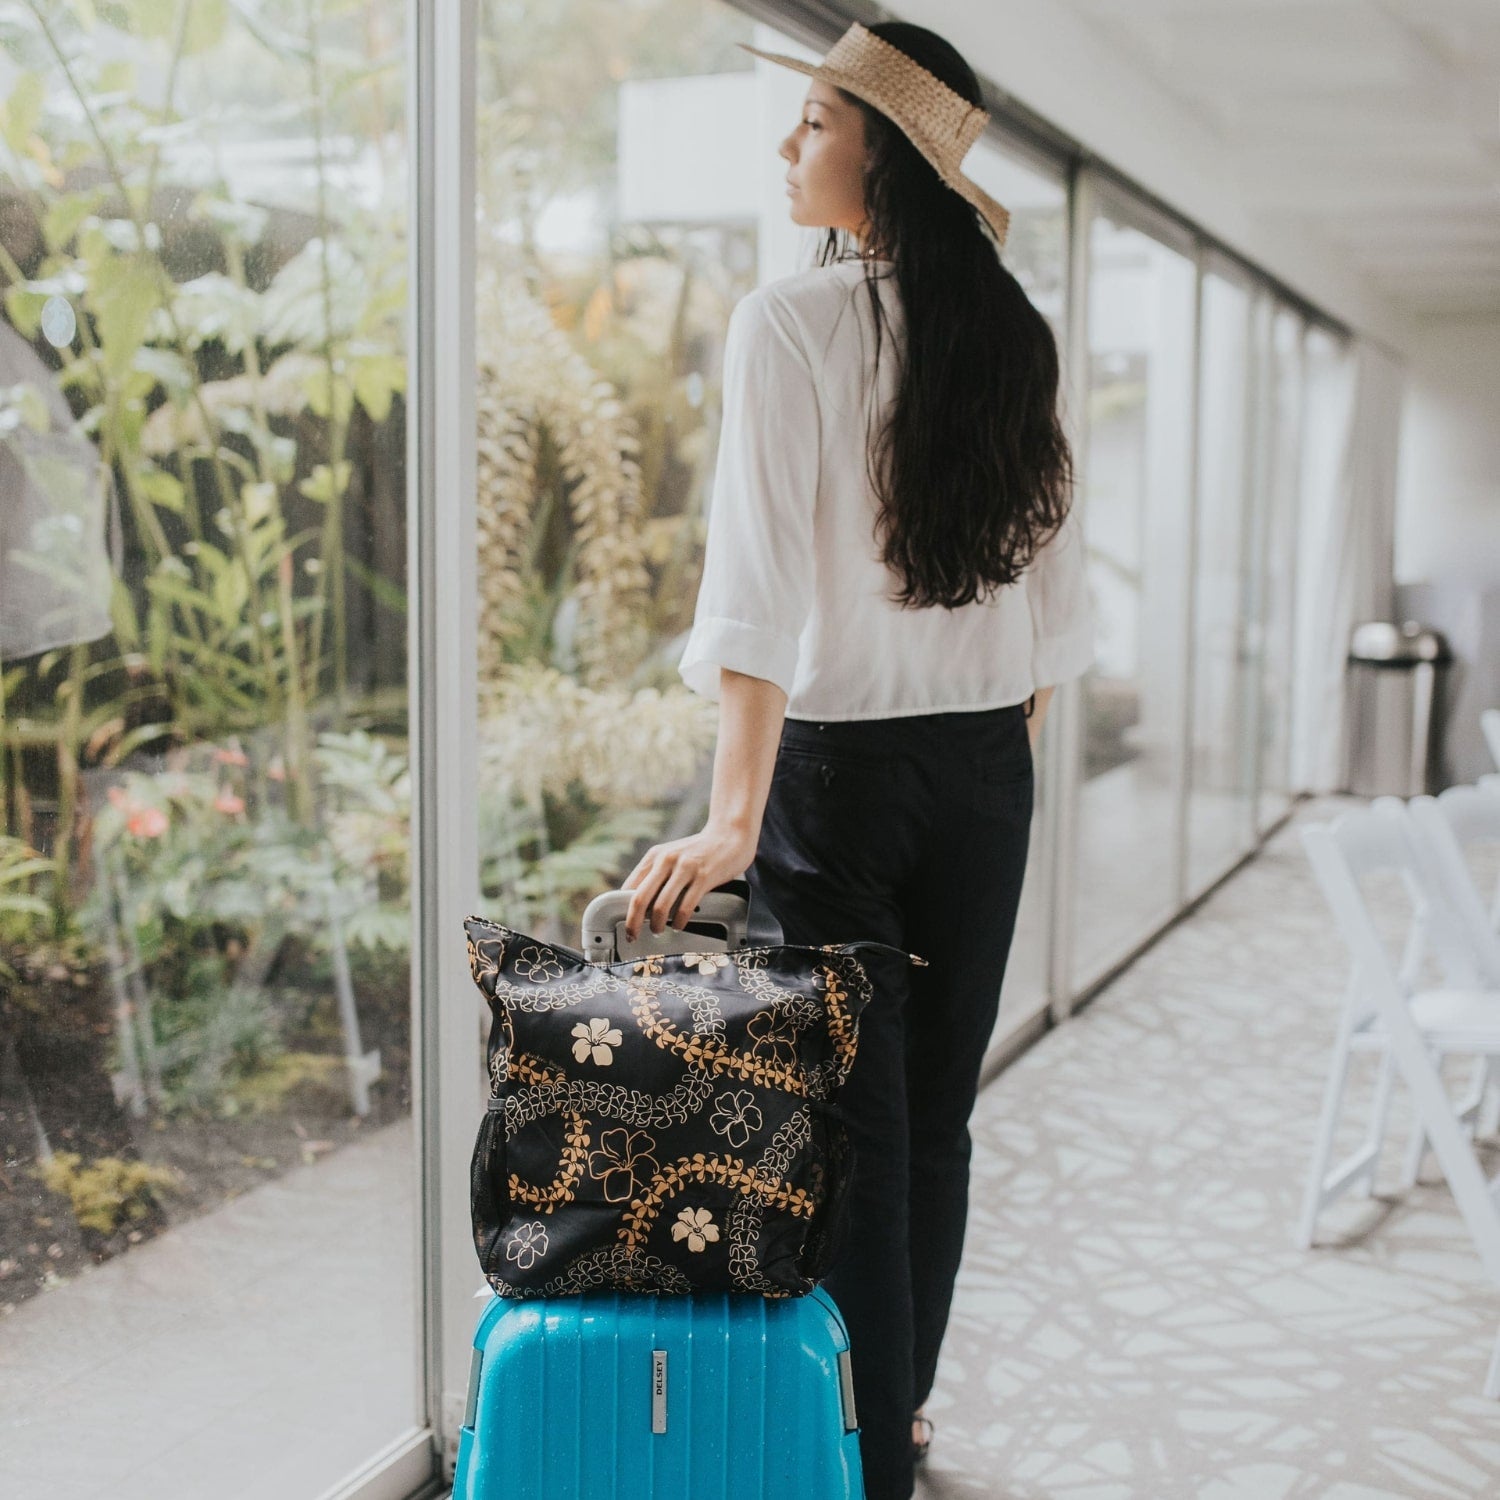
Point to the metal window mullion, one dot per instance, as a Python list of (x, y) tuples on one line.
[(442, 666), (1066, 711), (1254, 534), (1291, 656), (1190, 592)]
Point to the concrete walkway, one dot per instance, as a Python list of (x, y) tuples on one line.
[(261, 1352)]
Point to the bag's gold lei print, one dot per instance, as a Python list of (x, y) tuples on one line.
[(662, 1124)]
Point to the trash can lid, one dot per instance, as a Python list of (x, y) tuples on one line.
[(1382, 644)]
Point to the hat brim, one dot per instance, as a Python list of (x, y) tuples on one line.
[(996, 215), (797, 64)]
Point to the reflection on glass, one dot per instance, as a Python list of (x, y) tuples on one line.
[(612, 245), (1140, 315), (204, 932), (1221, 770)]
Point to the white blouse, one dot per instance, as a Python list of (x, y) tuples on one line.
[(793, 587)]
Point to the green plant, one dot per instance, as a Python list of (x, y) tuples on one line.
[(212, 1040), (365, 789), (24, 915), (108, 1193), (308, 1074), (206, 877), (234, 364), (222, 405)]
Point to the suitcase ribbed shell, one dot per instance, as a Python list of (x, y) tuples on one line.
[(565, 1397)]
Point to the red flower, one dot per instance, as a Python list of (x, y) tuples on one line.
[(147, 823)]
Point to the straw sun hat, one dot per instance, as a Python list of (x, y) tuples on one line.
[(941, 124)]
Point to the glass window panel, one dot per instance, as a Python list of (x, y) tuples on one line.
[(1318, 679), (206, 1227), (1279, 589), (1036, 253), (1140, 318), (604, 286), (1221, 772), (1036, 243)]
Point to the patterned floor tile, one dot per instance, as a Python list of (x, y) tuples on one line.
[(1133, 1321)]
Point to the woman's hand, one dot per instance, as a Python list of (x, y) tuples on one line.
[(676, 876)]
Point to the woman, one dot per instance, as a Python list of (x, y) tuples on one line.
[(883, 639)]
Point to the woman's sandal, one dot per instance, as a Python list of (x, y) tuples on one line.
[(919, 1449)]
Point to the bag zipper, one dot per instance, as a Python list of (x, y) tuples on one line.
[(583, 958), (871, 943), (805, 947)]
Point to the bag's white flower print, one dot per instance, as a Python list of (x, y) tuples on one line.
[(736, 1118), (527, 1245), (623, 1159), (596, 1041), (534, 964), (697, 1227), (706, 963)]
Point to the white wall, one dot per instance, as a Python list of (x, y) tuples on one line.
[(1448, 483), (1448, 520)]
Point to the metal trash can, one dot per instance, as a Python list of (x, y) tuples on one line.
[(1392, 686)]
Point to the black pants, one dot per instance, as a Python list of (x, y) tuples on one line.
[(913, 831)]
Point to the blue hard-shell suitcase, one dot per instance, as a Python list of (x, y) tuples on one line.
[(635, 1396), (611, 1396)]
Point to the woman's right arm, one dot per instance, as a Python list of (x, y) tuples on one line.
[(1043, 697), (1062, 616)]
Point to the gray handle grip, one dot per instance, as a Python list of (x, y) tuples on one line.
[(604, 939)]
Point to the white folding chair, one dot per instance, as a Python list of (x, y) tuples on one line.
[(1490, 786), (1489, 722), (1449, 826), (1432, 930), (1411, 1028)]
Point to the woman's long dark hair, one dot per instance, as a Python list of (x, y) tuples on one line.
[(972, 470)]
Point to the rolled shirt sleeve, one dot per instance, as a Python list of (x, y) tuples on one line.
[(1062, 616), (757, 585)]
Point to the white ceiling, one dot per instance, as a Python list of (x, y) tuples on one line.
[(1371, 125)]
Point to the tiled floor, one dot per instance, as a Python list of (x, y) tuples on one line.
[(1132, 1320)]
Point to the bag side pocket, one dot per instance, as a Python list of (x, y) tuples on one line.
[(829, 1229), (489, 1198)]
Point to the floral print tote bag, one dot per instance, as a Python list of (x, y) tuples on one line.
[(665, 1123)]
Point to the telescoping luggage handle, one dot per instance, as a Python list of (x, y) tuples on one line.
[(723, 921), (720, 922)]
